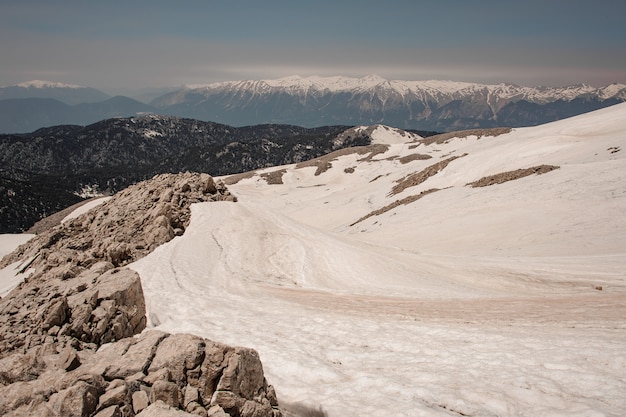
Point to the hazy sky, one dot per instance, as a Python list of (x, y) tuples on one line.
[(134, 44)]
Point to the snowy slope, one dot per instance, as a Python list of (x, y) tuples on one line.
[(505, 300)]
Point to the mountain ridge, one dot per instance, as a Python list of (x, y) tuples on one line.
[(318, 101), (298, 84), (428, 105)]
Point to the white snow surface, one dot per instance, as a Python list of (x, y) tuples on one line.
[(85, 208), (506, 300), (10, 276)]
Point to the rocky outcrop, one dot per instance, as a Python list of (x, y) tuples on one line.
[(512, 175), (156, 374), (66, 332), (77, 293)]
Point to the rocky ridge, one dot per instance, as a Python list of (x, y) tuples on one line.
[(68, 344)]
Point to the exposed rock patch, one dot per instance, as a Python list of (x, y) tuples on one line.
[(403, 201), (512, 175), (274, 177), (77, 295), (419, 177), (324, 163), (444, 137), (156, 374), (413, 157), (234, 179)]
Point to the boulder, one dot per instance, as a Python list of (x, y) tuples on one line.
[(140, 401), (166, 392), (179, 353)]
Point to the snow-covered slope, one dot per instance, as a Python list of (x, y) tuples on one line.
[(505, 300)]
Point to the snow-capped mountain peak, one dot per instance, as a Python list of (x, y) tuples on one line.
[(46, 84)]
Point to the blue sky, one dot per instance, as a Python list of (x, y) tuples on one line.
[(122, 45)]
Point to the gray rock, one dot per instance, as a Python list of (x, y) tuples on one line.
[(68, 360), (190, 394), (115, 396), (140, 401), (112, 411), (79, 400), (162, 374), (196, 409), (167, 392), (216, 411), (161, 409), (136, 358), (179, 353), (56, 314), (243, 375)]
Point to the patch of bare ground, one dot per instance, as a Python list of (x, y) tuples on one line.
[(324, 163), (274, 177), (512, 175), (413, 157), (444, 137), (419, 177), (234, 179), (404, 201)]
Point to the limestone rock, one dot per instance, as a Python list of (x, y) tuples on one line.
[(112, 411), (140, 401), (68, 360), (179, 353), (115, 396), (79, 400), (167, 392), (216, 411), (161, 409), (243, 374), (136, 358)]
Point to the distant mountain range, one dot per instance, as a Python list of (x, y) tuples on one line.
[(429, 105), (66, 93), (313, 101)]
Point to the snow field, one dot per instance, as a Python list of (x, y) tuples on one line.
[(469, 301)]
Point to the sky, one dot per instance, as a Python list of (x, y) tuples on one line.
[(139, 44)]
